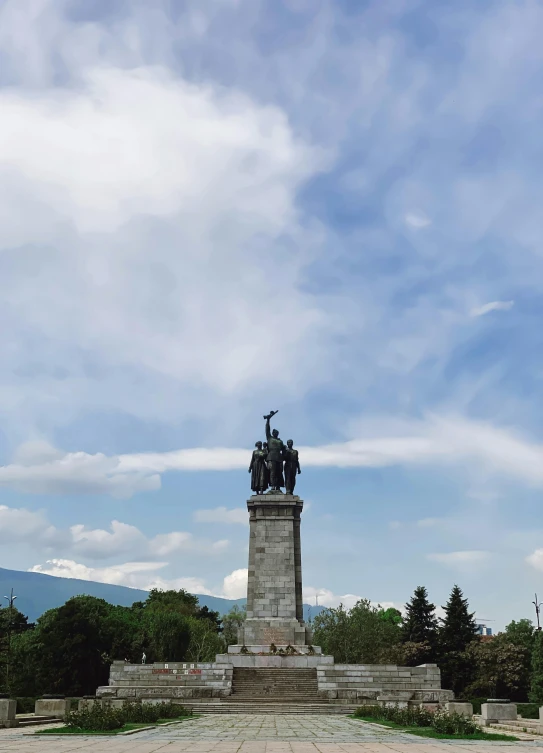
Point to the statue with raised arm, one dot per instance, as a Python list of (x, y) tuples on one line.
[(275, 457), (292, 466)]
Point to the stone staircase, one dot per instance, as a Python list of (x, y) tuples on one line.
[(255, 707), (273, 691), (275, 685), (31, 720)]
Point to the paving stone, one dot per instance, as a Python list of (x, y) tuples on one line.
[(244, 733)]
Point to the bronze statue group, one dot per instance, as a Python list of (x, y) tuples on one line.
[(274, 465)]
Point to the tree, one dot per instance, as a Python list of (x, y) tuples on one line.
[(12, 623), (172, 601), (420, 623), (522, 633), (356, 636), (205, 640), (72, 647), (458, 627), (204, 613), (168, 635), (457, 631), (391, 615), (536, 684), (498, 668), (231, 623)]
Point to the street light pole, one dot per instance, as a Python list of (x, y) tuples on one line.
[(11, 598), (537, 606)]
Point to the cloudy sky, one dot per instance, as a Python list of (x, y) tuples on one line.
[(214, 208)]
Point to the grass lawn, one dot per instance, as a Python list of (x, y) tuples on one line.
[(429, 732), (125, 728)]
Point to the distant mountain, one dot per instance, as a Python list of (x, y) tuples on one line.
[(36, 593)]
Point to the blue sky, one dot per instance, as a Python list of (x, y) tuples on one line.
[(213, 209)]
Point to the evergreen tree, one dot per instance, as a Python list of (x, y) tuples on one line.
[(536, 685), (458, 630), (420, 623)]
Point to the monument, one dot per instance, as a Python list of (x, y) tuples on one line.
[(274, 660), (274, 588)]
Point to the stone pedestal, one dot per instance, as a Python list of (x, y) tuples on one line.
[(56, 707), (498, 712), (274, 589), (460, 707), (8, 711)]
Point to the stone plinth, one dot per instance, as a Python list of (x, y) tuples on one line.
[(301, 661), (56, 707), (8, 711), (274, 588), (460, 707), (498, 712)]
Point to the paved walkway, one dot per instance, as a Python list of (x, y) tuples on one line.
[(248, 733)]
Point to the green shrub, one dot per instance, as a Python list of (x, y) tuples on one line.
[(453, 724), (26, 705), (96, 718), (100, 719), (440, 720), (475, 702), (150, 713), (528, 710)]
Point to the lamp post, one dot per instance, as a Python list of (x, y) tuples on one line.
[(11, 598), (537, 606)]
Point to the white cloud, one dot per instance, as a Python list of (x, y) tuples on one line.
[(536, 559), (222, 515), (26, 526), (235, 584), (325, 598), (466, 561), (436, 441), (148, 195), (19, 525), (143, 575), (417, 220), (42, 469), (131, 574), (492, 306)]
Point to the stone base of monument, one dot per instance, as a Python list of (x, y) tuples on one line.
[(274, 667), (298, 681), (280, 632)]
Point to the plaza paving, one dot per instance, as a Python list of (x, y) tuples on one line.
[(248, 733)]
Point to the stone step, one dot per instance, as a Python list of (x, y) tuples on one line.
[(248, 698), (265, 681), (269, 708), (278, 686), (519, 726), (31, 721)]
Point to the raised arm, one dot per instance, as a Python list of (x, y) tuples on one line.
[(268, 432)]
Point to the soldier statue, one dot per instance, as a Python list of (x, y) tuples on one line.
[(258, 470), (275, 457), (292, 466)]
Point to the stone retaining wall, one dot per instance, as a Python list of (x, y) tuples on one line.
[(168, 681), (355, 683), (386, 683)]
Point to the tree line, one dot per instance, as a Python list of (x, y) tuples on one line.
[(70, 648), (507, 665)]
